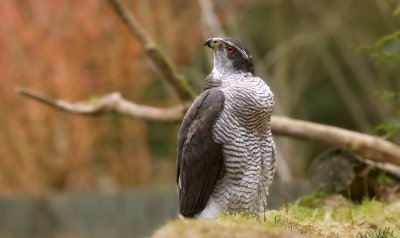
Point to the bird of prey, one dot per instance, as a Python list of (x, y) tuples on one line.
[(226, 153)]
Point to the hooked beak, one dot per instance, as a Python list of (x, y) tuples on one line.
[(212, 42)]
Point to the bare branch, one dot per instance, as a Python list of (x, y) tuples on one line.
[(163, 64), (369, 147), (211, 24), (110, 103)]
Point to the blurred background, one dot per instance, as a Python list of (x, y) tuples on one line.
[(331, 62)]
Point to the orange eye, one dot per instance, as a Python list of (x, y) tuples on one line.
[(230, 49)]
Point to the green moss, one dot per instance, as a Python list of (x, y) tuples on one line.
[(309, 200), (385, 180), (322, 216), (188, 90), (223, 227), (338, 219), (94, 101)]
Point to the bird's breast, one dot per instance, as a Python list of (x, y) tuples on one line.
[(243, 130), (250, 103)]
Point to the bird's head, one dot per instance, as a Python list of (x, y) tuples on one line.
[(230, 56)]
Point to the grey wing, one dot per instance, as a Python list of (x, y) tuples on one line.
[(200, 158)]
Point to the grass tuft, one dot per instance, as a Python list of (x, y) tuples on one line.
[(379, 233)]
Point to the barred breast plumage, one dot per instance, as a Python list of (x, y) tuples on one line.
[(243, 129), (226, 153)]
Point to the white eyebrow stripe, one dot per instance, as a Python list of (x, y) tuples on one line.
[(244, 53)]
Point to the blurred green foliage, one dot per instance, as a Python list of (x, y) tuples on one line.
[(385, 50)]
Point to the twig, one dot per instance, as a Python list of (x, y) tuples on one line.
[(163, 64), (373, 148)]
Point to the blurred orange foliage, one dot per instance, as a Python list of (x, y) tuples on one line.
[(73, 50)]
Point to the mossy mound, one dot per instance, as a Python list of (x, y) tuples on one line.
[(226, 227), (333, 217)]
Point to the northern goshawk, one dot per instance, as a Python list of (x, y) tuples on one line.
[(226, 153)]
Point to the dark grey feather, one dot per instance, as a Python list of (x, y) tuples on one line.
[(200, 158)]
